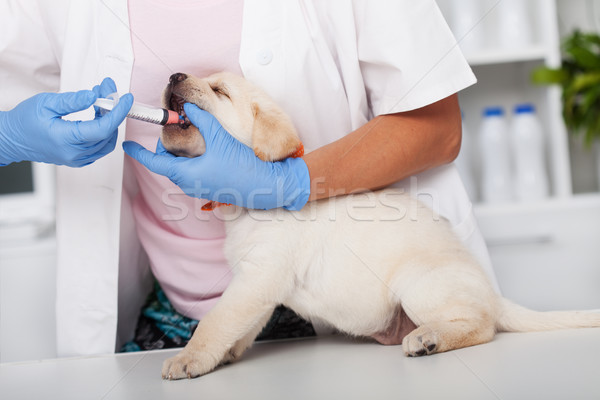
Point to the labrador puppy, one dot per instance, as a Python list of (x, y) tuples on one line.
[(350, 261)]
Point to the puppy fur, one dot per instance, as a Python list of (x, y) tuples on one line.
[(348, 261)]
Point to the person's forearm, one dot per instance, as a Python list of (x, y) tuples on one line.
[(387, 149)]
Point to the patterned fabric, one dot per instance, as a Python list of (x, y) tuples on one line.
[(160, 326)]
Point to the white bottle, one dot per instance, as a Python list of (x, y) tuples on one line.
[(464, 163), (494, 146), (465, 21), (527, 137), (514, 24)]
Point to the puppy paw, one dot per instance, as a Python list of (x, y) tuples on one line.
[(232, 355), (420, 342), (188, 365)]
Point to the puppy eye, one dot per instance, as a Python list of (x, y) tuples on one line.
[(220, 91)]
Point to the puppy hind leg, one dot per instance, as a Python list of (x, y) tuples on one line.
[(447, 321), (452, 306), (441, 336), (399, 326)]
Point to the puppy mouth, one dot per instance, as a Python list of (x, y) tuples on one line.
[(176, 103)]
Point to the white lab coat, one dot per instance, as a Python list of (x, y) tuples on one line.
[(318, 59)]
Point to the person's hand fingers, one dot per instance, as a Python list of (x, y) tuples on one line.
[(103, 90), (101, 149), (160, 149), (69, 102), (107, 87), (106, 126), (206, 123), (157, 163)]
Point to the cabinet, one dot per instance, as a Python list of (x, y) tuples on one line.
[(27, 298), (544, 253), (503, 75)]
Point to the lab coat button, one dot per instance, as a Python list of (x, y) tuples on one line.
[(264, 57)]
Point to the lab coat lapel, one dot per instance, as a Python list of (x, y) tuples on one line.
[(89, 199)]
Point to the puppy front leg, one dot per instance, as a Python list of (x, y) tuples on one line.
[(240, 310), (246, 342)]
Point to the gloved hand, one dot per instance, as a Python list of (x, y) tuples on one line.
[(228, 171), (35, 131)]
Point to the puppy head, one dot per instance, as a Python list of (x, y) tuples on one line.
[(245, 111)]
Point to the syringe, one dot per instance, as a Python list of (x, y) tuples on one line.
[(143, 112)]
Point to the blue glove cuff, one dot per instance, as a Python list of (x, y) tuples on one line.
[(5, 156), (300, 191)]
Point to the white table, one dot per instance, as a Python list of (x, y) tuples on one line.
[(548, 365)]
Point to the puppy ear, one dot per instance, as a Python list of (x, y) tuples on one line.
[(273, 134)]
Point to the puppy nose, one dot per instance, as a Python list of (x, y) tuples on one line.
[(178, 77)]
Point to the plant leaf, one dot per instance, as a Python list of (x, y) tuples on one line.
[(545, 76), (584, 81), (590, 101), (579, 77), (585, 57)]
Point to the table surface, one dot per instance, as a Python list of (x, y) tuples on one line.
[(541, 365)]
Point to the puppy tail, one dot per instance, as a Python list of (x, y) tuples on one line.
[(515, 318)]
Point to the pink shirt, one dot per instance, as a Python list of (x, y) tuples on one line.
[(184, 244)]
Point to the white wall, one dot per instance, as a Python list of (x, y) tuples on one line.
[(582, 14)]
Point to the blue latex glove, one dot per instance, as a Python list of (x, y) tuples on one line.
[(228, 172), (35, 131)]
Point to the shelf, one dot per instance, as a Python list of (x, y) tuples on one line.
[(502, 56), (552, 204)]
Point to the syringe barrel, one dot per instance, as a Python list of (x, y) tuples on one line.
[(139, 111), (149, 114)]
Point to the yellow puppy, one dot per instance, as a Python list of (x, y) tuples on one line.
[(349, 261)]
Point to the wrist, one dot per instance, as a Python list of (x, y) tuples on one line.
[(297, 191), (5, 154)]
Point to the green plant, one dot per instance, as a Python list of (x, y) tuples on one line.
[(579, 77)]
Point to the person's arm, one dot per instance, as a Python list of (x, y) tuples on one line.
[(381, 152), (387, 149), (35, 131)]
